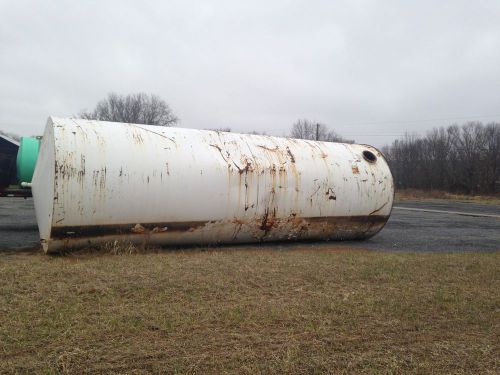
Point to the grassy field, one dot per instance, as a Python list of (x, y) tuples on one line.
[(250, 310), (415, 194)]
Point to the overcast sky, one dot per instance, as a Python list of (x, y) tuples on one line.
[(371, 70)]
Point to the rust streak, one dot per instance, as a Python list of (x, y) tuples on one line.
[(378, 209), (335, 227), (159, 134), (268, 148), (292, 158)]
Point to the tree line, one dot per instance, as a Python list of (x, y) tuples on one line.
[(456, 158)]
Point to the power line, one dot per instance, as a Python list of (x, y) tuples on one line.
[(406, 121), (277, 130), (371, 122), (422, 120)]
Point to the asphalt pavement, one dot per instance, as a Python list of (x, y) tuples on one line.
[(439, 226), (18, 228), (431, 225)]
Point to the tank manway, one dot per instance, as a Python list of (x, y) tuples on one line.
[(99, 181)]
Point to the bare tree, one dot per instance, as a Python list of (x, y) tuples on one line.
[(255, 132), (305, 129), (457, 158), (221, 129), (229, 130), (137, 108)]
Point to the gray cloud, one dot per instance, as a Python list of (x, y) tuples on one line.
[(369, 69)]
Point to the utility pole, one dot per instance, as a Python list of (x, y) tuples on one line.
[(317, 131)]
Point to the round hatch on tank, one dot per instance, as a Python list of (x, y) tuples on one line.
[(369, 156)]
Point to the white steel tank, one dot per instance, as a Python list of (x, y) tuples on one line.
[(98, 181)]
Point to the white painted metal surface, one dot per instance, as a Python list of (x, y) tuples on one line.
[(99, 181)]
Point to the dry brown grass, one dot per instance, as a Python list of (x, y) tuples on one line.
[(415, 194), (250, 310)]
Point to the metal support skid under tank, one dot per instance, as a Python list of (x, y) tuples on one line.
[(98, 181)]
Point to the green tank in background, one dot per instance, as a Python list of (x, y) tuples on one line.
[(26, 158)]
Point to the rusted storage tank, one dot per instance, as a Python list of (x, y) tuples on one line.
[(98, 181)]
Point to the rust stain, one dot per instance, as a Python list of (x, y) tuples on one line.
[(292, 158), (95, 177), (159, 230), (331, 194), (138, 228), (65, 168), (81, 172), (378, 209), (153, 132), (268, 148), (268, 220), (222, 154), (115, 229), (137, 138), (267, 228)]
